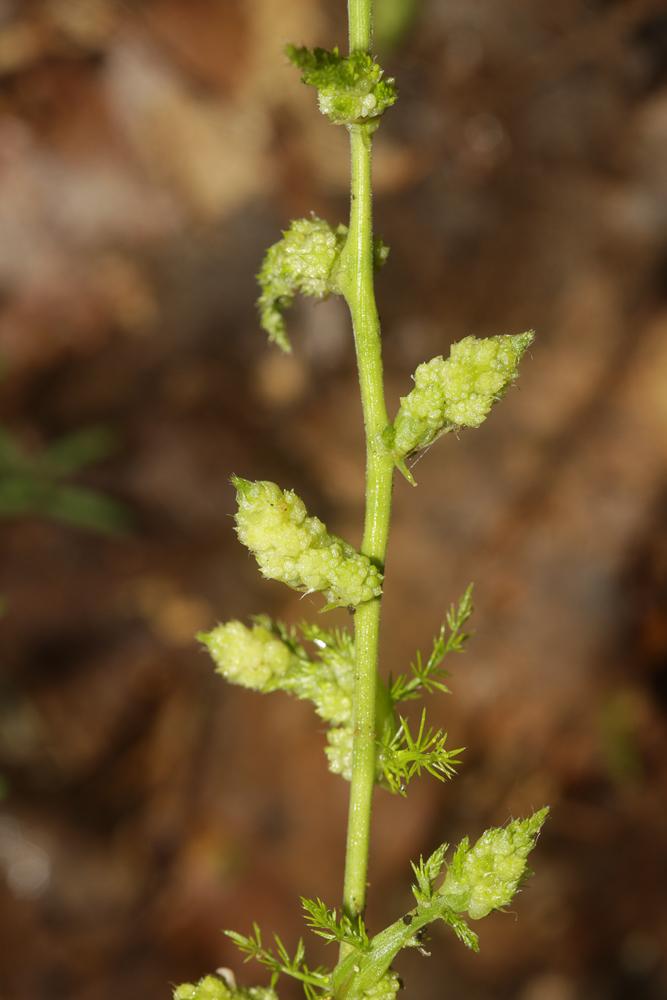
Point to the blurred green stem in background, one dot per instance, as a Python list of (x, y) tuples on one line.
[(393, 19)]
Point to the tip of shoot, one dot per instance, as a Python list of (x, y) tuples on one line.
[(241, 485)]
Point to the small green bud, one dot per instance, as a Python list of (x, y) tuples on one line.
[(350, 89), (485, 877), (254, 658), (298, 550), (302, 261), (213, 988), (458, 391)]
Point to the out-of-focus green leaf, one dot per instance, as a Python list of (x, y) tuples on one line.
[(36, 484), (76, 450)]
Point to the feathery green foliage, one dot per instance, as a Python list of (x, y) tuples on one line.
[(429, 677), (327, 924), (279, 962), (407, 754)]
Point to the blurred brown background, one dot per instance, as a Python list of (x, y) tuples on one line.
[(149, 152)]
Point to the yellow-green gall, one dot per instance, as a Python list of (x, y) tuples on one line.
[(214, 988), (339, 755), (208, 988), (331, 697), (486, 876), (302, 261), (339, 751), (458, 391), (253, 657), (333, 702), (297, 549), (329, 683), (350, 89), (386, 988)]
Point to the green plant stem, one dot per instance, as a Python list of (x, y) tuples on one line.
[(357, 281), (360, 18), (354, 975), (379, 471)]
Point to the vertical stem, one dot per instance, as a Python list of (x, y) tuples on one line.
[(357, 267), (360, 17)]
